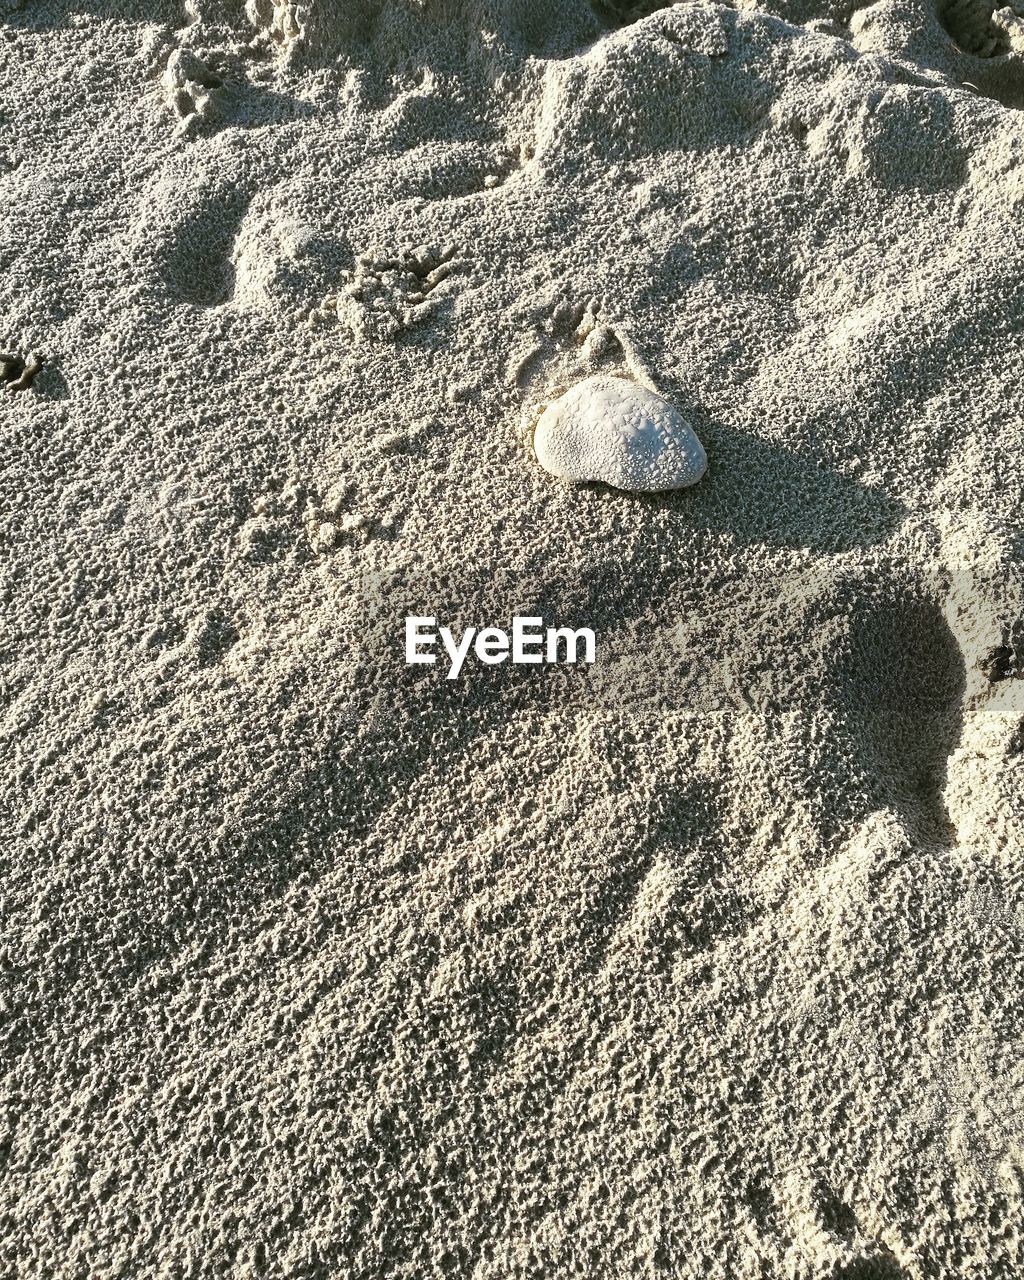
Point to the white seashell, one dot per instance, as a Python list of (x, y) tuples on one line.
[(612, 430)]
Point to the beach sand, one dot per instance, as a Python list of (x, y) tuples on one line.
[(704, 961)]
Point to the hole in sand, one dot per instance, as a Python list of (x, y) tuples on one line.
[(969, 24)]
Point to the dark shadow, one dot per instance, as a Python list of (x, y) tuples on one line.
[(1004, 82), (902, 679), (621, 13), (761, 493), (194, 261), (969, 25), (757, 1195), (877, 1268), (836, 1215), (248, 106), (911, 142), (215, 640)]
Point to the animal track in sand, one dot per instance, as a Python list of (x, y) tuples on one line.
[(572, 340), (175, 648), (278, 20), (284, 513), (283, 265), (568, 342), (190, 87), (322, 26), (387, 294), (18, 372)]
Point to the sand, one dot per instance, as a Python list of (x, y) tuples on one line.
[(704, 961)]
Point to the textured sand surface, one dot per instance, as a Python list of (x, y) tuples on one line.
[(703, 962)]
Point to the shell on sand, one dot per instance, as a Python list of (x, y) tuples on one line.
[(609, 429)]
